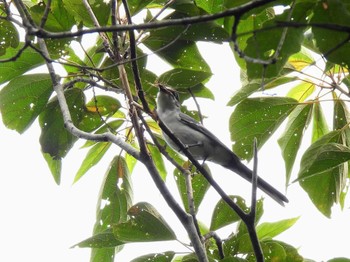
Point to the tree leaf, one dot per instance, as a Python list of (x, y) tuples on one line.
[(145, 224), (269, 230), (104, 105), (104, 241), (320, 127), (321, 157), (23, 99), (28, 60), (114, 200), (156, 257), (54, 138), (9, 36), (94, 156), (183, 78), (223, 215), (199, 186), (259, 118), (290, 140), (332, 12), (158, 161), (291, 44), (76, 9), (301, 91), (55, 166)]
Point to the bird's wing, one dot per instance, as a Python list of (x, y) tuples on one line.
[(187, 120)]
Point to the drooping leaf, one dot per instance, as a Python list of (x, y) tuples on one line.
[(27, 60), (94, 155), (145, 224), (54, 138), (259, 118), (55, 166), (269, 230), (23, 99), (114, 200), (199, 186), (320, 126), (330, 42), (323, 171), (158, 161), (156, 257), (290, 140), (223, 215), (322, 156)]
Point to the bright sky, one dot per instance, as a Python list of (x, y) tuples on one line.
[(40, 220)]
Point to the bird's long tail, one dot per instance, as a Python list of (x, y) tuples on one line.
[(240, 169)]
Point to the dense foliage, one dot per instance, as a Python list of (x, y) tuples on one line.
[(302, 46)]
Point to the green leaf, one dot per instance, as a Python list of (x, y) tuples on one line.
[(273, 251), (54, 138), (266, 51), (104, 240), (9, 36), (300, 60), (179, 53), (136, 6), (23, 99), (78, 10), (223, 215), (324, 188), (259, 118), (28, 60), (156, 257), (320, 127), (158, 160), (269, 230), (183, 78), (323, 171), (58, 18), (114, 200), (199, 186), (145, 224), (339, 259), (94, 156), (55, 166), (290, 140), (333, 44), (321, 157), (104, 105), (301, 91)]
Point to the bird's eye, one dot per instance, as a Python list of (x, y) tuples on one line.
[(176, 95)]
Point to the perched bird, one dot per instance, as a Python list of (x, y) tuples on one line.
[(200, 142)]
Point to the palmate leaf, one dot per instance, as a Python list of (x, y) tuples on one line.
[(145, 224), (259, 118), (23, 99)]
